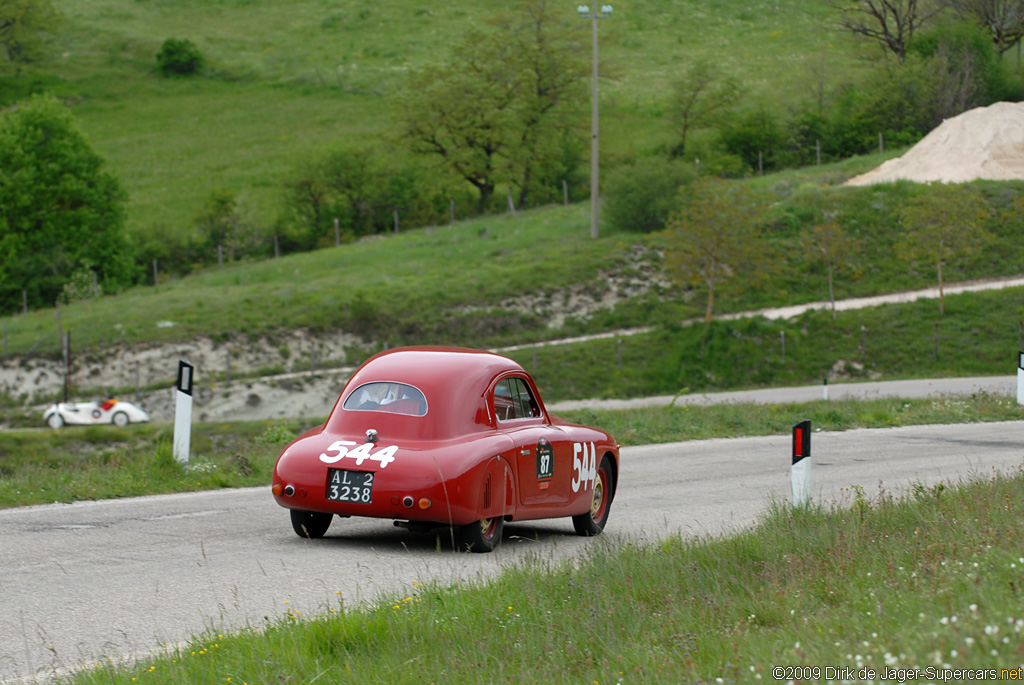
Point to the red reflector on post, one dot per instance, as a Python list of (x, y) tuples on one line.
[(801, 441)]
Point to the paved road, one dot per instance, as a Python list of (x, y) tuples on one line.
[(934, 387), (94, 580)]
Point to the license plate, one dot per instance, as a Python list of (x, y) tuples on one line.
[(355, 487)]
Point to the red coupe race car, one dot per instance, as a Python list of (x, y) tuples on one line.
[(438, 436)]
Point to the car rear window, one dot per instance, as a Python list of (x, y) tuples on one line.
[(390, 397)]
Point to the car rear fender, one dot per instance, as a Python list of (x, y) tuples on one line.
[(497, 490)]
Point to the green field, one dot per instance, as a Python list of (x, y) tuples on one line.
[(288, 79)]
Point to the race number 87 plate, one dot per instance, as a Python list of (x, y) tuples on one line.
[(355, 487)]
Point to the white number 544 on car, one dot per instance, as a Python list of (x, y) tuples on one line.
[(117, 412)]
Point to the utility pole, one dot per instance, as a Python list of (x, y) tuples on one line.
[(585, 13)]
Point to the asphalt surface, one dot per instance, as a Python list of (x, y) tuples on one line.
[(112, 580), (933, 387)]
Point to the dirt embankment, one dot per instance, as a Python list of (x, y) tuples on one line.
[(314, 366)]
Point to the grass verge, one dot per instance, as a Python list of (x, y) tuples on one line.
[(909, 588), (101, 462)]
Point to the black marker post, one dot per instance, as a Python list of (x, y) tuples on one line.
[(183, 412), (801, 470)]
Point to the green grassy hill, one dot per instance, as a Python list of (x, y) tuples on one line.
[(287, 79)]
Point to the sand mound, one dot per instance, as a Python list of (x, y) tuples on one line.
[(987, 142)]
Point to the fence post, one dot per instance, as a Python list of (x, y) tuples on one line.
[(565, 192), (396, 221), (156, 280), (337, 233), (451, 211), (277, 251)]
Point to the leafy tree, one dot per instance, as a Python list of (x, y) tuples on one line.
[(546, 52), (714, 238), (348, 185), (179, 57), (355, 183), (943, 223), (703, 92), (59, 209), (23, 24), (891, 23), (463, 113), (756, 136), (828, 244), (502, 104), (223, 224)]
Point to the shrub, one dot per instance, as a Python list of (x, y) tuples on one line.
[(639, 197), (179, 57)]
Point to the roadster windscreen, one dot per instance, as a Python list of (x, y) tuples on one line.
[(393, 398)]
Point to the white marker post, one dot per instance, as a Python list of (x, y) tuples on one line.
[(1020, 377), (801, 470), (183, 412)]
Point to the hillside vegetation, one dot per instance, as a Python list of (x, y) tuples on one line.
[(281, 84), (288, 79)]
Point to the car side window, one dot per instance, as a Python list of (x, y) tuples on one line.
[(513, 400)]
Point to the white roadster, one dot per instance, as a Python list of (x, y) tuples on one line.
[(117, 412)]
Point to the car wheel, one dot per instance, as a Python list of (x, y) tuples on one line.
[(120, 419), (592, 522), (54, 420), (310, 524), (483, 535)]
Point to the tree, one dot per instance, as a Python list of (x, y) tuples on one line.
[(23, 24), (548, 55), (354, 182), (502, 104), (224, 225), (1003, 19), (59, 209), (828, 244), (942, 223), (700, 94), (343, 184), (891, 23), (714, 237), (462, 112)]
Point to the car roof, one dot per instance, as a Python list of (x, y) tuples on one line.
[(454, 380)]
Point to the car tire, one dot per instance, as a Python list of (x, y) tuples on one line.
[(483, 535), (592, 521), (119, 419), (54, 421), (310, 524)]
